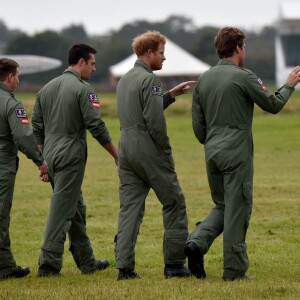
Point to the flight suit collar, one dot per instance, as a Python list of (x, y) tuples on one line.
[(73, 72), (5, 88), (140, 63), (225, 62)]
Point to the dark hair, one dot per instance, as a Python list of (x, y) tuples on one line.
[(149, 40), (79, 51), (227, 39), (7, 66)]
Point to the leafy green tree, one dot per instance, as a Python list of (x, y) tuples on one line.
[(260, 53), (4, 32), (47, 43), (75, 33), (203, 47)]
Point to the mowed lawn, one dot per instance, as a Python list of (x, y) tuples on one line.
[(273, 237)]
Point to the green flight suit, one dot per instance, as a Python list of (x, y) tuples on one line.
[(145, 161), (222, 112), (15, 133), (64, 109)]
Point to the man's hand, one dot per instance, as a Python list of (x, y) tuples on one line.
[(294, 77), (181, 88), (43, 172)]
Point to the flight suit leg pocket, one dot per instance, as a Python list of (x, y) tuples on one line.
[(173, 246), (240, 261), (248, 199), (5, 207)]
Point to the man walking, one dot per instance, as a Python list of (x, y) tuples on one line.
[(64, 109), (15, 133), (222, 112), (145, 159)]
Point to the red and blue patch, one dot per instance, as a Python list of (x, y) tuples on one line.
[(94, 100), (22, 115), (262, 84)]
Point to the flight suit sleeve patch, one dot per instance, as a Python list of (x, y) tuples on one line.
[(262, 84), (156, 90), (94, 100), (22, 115)]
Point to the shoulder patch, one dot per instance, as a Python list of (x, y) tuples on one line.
[(92, 97), (156, 90), (262, 84), (21, 113), (24, 121)]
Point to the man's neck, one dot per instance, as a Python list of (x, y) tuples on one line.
[(233, 59)]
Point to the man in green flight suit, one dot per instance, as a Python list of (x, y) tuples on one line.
[(15, 133), (64, 109), (145, 159), (222, 112)]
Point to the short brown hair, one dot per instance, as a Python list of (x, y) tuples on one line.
[(149, 40), (79, 51), (7, 66), (227, 39)]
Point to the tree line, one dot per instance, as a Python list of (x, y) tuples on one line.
[(116, 45)]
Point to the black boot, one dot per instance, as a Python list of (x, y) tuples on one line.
[(176, 270), (127, 274), (102, 264), (17, 272), (243, 277), (195, 260)]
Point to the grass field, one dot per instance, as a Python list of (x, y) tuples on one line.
[(273, 237)]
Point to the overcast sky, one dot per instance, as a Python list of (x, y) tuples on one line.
[(101, 16)]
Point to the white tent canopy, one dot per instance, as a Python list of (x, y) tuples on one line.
[(178, 63), (33, 63)]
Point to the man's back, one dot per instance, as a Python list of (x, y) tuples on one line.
[(7, 103), (59, 103), (131, 96), (65, 107), (223, 96)]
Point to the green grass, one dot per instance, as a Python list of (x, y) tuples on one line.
[(273, 237)]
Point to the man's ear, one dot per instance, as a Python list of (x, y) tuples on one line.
[(237, 49), (81, 62), (10, 77), (149, 52)]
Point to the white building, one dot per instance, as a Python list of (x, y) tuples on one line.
[(287, 41)]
